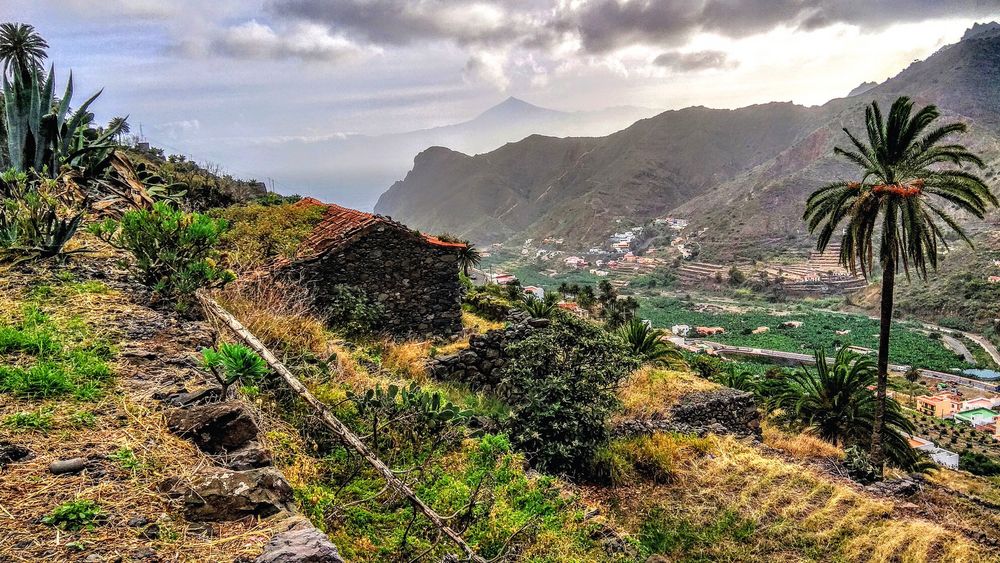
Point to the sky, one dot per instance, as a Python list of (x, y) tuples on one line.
[(204, 77)]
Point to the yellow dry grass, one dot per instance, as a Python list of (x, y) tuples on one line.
[(279, 315), (407, 360), (796, 509), (799, 445), (652, 391), (474, 324)]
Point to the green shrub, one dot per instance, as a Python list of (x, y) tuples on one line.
[(560, 385), (352, 311), (488, 305), (174, 252), (979, 464), (75, 515), (261, 232)]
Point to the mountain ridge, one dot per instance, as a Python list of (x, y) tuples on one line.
[(696, 161)]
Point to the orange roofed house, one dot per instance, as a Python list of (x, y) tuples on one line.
[(410, 277)]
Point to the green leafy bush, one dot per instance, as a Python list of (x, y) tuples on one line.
[(352, 311), (488, 305), (75, 515), (174, 252), (560, 384)]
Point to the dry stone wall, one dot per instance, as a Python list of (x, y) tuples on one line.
[(415, 283), (722, 411)]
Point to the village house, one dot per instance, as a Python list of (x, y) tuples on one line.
[(534, 291), (411, 277), (941, 405), (976, 417), (940, 456), (575, 262)]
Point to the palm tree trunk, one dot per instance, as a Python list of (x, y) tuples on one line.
[(888, 284)]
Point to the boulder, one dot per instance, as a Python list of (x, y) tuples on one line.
[(215, 428), (298, 541), (250, 456), (223, 495)]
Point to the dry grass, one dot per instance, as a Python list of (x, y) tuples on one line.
[(799, 445), (474, 324), (650, 391), (280, 315), (798, 512), (407, 360)]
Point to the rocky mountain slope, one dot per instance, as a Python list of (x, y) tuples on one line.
[(743, 174)]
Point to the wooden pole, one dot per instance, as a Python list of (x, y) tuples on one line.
[(345, 434)]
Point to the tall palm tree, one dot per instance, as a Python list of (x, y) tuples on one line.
[(835, 402), (22, 50), (120, 126), (469, 257), (908, 174)]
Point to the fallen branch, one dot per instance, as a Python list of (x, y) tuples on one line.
[(345, 434)]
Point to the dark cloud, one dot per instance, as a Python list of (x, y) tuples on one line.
[(603, 25), (687, 62), (400, 22)]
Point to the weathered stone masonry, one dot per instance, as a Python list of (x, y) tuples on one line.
[(414, 277), (416, 283)]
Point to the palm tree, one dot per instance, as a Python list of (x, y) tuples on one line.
[(647, 343), (22, 50), (835, 402), (120, 126), (907, 174), (537, 308), (469, 257), (912, 375)]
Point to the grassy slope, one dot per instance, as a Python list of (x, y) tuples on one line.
[(97, 414)]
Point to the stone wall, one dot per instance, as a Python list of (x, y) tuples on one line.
[(722, 411), (415, 282), (478, 365)]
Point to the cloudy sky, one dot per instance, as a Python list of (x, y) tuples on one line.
[(201, 74)]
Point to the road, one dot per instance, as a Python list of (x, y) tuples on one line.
[(809, 359)]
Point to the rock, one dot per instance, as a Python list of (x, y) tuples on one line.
[(215, 428), (73, 465), (138, 522), (299, 542), (250, 456), (895, 487), (538, 323), (222, 494), (11, 453), (201, 396)]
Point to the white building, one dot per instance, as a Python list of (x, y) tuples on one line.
[(940, 456), (680, 330), (534, 290), (575, 262)]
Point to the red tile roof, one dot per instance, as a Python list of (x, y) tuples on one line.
[(340, 226)]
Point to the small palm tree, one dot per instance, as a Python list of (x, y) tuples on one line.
[(22, 50), (537, 308), (469, 257), (835, 402), (647, 343), (907, 173)]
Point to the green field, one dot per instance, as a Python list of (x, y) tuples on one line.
[(908, 346)]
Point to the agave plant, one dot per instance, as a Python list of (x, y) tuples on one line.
[(646, 343), (42, 133)]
